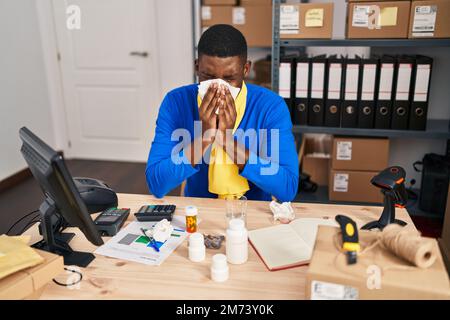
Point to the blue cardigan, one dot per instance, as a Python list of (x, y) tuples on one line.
[(264, 110)]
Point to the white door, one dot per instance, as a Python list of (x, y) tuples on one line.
[(109, 76)]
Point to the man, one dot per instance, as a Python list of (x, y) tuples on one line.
[(245, 145)]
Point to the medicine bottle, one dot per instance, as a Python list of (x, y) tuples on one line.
[(191, 219), (219, 268), (237, 242), (197, 247)]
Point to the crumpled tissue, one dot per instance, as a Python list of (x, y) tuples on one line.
[(162, 231), (282, 211), (204, 85)]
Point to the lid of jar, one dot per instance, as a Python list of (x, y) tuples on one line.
[(236, 224), (196, 239), (191, 210), (219, 261)]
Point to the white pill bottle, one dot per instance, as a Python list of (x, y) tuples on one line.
[(237, 242)]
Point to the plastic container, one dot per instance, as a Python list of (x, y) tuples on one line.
[(197, 249), (237, 242), (191, 219), (219, 268)]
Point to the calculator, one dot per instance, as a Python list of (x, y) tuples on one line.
[(109, 222), (155, 212)]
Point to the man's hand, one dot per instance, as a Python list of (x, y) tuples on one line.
[(207, 110), (207, 113), (227, 112), (227, 120)]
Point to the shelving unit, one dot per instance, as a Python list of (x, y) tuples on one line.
[(365, 42), (436, 128), (278, 44)]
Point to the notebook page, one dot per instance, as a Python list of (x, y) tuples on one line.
[(280, 246), (306, 228)]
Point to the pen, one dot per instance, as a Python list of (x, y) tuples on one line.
[(152, 241)]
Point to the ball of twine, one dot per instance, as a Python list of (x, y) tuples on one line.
[(409, 245)]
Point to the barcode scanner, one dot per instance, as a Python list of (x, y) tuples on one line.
[(391, 181)]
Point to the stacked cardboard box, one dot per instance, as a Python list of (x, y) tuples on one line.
[(306, 21), (219, 2), (261, 73), (392, 21), (252, 18), (354, 161), (255, 2), (315, 157), (430, 19)]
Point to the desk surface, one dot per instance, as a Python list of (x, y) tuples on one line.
[(178, 278)]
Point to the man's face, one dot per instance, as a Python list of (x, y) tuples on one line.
[(231, 69)]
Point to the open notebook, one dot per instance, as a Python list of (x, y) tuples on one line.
[(287, 245)]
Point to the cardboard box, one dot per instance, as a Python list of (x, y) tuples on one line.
[(393, 23), (315, 157), (219, 2), (430, 19), (212, 15), (30, 283), (353, 186), (255, 22), (255, 2), (329, 277), (306, 21), (364, 154), (262, 70)]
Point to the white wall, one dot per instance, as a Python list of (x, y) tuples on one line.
[(24, 99), (175, 39)]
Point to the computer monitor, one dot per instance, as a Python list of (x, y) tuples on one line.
[(62, 204)]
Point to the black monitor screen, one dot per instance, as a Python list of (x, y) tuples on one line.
[(52, 175)]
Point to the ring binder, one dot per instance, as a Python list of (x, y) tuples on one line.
[(350, 104), (403, 83), (420, 94), (384, 96), (366, 110), (317, 91), (334, 92), (303, 78)]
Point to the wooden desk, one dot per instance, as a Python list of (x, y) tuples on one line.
[(178, 278)]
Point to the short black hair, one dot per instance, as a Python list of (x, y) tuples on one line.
[(222, 40)]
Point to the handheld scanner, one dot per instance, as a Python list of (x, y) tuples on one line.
[(350, 241), (392, 179)]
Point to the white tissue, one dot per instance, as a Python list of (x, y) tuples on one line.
[(282, 211), (162, 230), (204, 85)]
